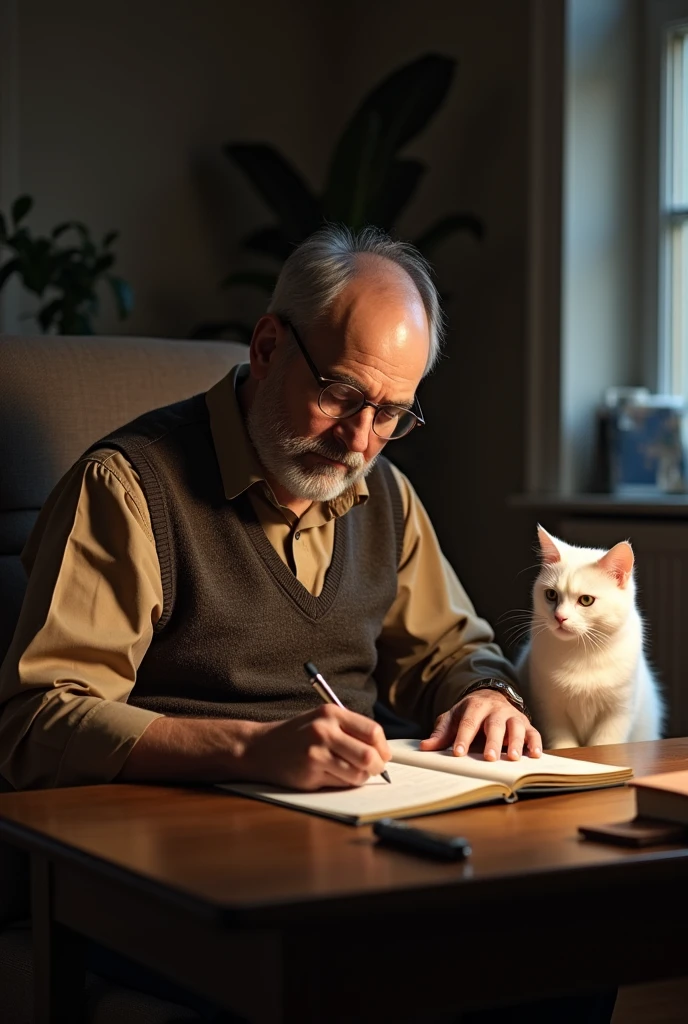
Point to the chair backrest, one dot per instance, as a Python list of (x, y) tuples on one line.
[(57, 396)]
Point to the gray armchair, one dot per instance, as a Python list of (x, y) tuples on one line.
[(57, 396)]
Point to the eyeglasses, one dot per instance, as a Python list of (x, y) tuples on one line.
[(339, 401)]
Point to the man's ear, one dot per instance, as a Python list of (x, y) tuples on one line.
[(548, 549), (618, 563), (268, 334)]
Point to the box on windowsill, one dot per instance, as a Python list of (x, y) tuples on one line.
[(644, 442)]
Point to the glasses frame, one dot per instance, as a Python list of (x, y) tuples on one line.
[(326, 382)]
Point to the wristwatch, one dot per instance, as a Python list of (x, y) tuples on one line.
[(506, 689)]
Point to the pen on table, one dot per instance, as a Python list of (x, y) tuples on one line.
[(324, 690)]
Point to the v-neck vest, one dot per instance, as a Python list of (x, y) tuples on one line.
[(236, 625)]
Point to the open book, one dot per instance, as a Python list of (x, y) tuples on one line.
[(424, 782)]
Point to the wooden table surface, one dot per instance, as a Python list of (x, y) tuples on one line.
[(144, 868)]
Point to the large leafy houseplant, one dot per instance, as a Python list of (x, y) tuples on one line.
[(368, 181), (63, 270)]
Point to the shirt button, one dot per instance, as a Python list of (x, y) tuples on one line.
[(297, 535)]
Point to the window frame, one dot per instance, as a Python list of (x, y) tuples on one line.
[(665, 368)]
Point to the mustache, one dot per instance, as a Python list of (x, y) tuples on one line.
[(338, 453)]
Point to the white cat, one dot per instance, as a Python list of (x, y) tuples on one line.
[(584, 670)]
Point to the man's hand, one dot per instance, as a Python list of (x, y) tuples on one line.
[(500, 721), (330, 746)]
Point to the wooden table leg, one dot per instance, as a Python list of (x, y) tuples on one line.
[(58, 957)]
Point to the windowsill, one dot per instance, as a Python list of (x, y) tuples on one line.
[(648, 506)]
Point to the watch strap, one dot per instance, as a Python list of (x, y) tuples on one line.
[(500, 686)]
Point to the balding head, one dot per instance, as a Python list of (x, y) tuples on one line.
[(322, 267)]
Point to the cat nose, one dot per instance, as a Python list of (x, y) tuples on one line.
[(560, 618)]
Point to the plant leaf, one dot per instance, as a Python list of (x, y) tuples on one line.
[(111, 237), (446, 227), (402, 181), (270, 241), (39, 266), (356, 179), (389, 117), (7, 269), (280, 185), (124, 296), (69, 225), (264, 280), (78, 323), (48, 313), (217, 329), (20, 208), (104, 262)]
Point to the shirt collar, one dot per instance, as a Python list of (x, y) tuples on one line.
[(240, 468)]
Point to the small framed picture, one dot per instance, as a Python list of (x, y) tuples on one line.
[(646, 442)]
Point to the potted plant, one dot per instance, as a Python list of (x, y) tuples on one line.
[(368, 180), (63, 270)]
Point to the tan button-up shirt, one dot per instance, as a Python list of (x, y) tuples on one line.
[(94, 594)]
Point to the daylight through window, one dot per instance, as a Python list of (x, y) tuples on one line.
[(674, 215)]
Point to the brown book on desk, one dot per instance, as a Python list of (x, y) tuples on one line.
[(663, 796), (424, 782)]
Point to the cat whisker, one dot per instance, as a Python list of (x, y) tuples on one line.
[(600, 640), (536, 633), (532, 630), (527, 622), (515, 640), (513, 612), (515, 626), (536, 565)]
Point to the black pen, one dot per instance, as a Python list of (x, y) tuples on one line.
[(324, 690)]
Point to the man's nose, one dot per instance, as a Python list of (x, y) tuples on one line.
[(560, 618), (355, 431)]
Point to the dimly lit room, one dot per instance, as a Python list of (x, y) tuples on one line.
[(343, 512)]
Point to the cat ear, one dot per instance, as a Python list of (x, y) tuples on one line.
[(548, 549), (618, 563)]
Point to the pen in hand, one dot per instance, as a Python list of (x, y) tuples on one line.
[(324, 690)]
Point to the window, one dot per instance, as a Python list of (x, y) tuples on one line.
[(673, 213)]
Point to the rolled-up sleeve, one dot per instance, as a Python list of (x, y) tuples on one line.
[(433, 645), (93, 595)]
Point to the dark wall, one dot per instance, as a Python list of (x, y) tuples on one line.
[(123, 112), (470, 457)]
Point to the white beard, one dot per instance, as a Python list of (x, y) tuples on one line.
[(279, 450)]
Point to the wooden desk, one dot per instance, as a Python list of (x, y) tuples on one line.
[(282, 916)]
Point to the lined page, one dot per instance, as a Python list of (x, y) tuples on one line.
[(410, 788), (505, 771)]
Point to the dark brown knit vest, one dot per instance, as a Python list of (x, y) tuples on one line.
[(236, 625)]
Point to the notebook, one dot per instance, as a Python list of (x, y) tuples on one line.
[(425, 782)]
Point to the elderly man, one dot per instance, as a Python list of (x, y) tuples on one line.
[(189, 563)]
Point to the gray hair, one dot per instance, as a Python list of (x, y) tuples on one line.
[(320, 268)]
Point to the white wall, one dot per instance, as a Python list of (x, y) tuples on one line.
[(602, 221)]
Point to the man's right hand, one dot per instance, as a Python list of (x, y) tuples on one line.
[(329, 746)]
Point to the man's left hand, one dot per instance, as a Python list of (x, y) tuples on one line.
[(491, 713)]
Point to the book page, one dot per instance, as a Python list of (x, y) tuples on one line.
[(410, 789), (473, 765)]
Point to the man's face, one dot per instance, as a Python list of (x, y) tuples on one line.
[(375, 337)]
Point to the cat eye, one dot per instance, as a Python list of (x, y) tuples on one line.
[(551, 595), (586, 600)]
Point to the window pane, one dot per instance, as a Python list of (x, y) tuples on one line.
[(677, 127), (674, 217), (678, 304)]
